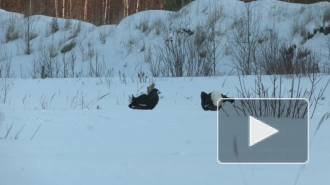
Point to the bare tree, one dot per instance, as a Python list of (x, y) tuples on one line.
[(244, 41), (215, 36), (137, 6), (85, 10), (126, 7), (56, 8), (30, 7), (28, 33), (63, 9), (96, 12), (105, 2), (70, 8)]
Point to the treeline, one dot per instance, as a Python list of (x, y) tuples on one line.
[(97, 12), (305, 1)]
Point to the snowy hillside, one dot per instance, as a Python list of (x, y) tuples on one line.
[(70, 48)]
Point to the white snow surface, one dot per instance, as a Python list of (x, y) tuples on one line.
[(80, 130), (176, 143)]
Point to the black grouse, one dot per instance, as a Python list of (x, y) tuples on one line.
[(145, 101), (209, 101)]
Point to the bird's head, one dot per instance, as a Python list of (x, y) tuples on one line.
[(156, 90)]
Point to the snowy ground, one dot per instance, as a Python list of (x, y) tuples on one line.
[(173, 144), (80, 130)]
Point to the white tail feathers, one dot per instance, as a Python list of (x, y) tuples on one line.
[(215, 96)]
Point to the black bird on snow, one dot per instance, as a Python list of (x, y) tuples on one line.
[(145, 101), (209, 101)]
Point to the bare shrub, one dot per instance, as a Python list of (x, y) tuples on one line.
[(108, 76), (294, 109), (69, 65), (82, 101), (103, 36), (270, 52), (143, 48), (325, 68), (54, 25), (12, 32), (68, 47), (144, 26), (6, 69), (295, 28), (53, 48), (67, 24), (307, 62), (6, 78), (129, 43), (44, 66), (76, 30), (188, 52), (326, 64), (215, 13), (122, 77), (73, 101), (5, 86), (44, 102), (65, 67), (155, 69), (216, 50), (142, 76), (80, 74), (82, 51), (245, 40), (326, 15), (35, 70), (5, 64), (290, 61), (89, 53), (147, 56), (79, 100), (158, 25), (28, 35), (96, 68)]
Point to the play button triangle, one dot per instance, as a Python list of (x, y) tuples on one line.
[(259, 131)]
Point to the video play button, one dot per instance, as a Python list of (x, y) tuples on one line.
[(259, 131), (265, 134)]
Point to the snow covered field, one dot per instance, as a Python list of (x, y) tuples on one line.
[(76, 128), (173, 144)]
